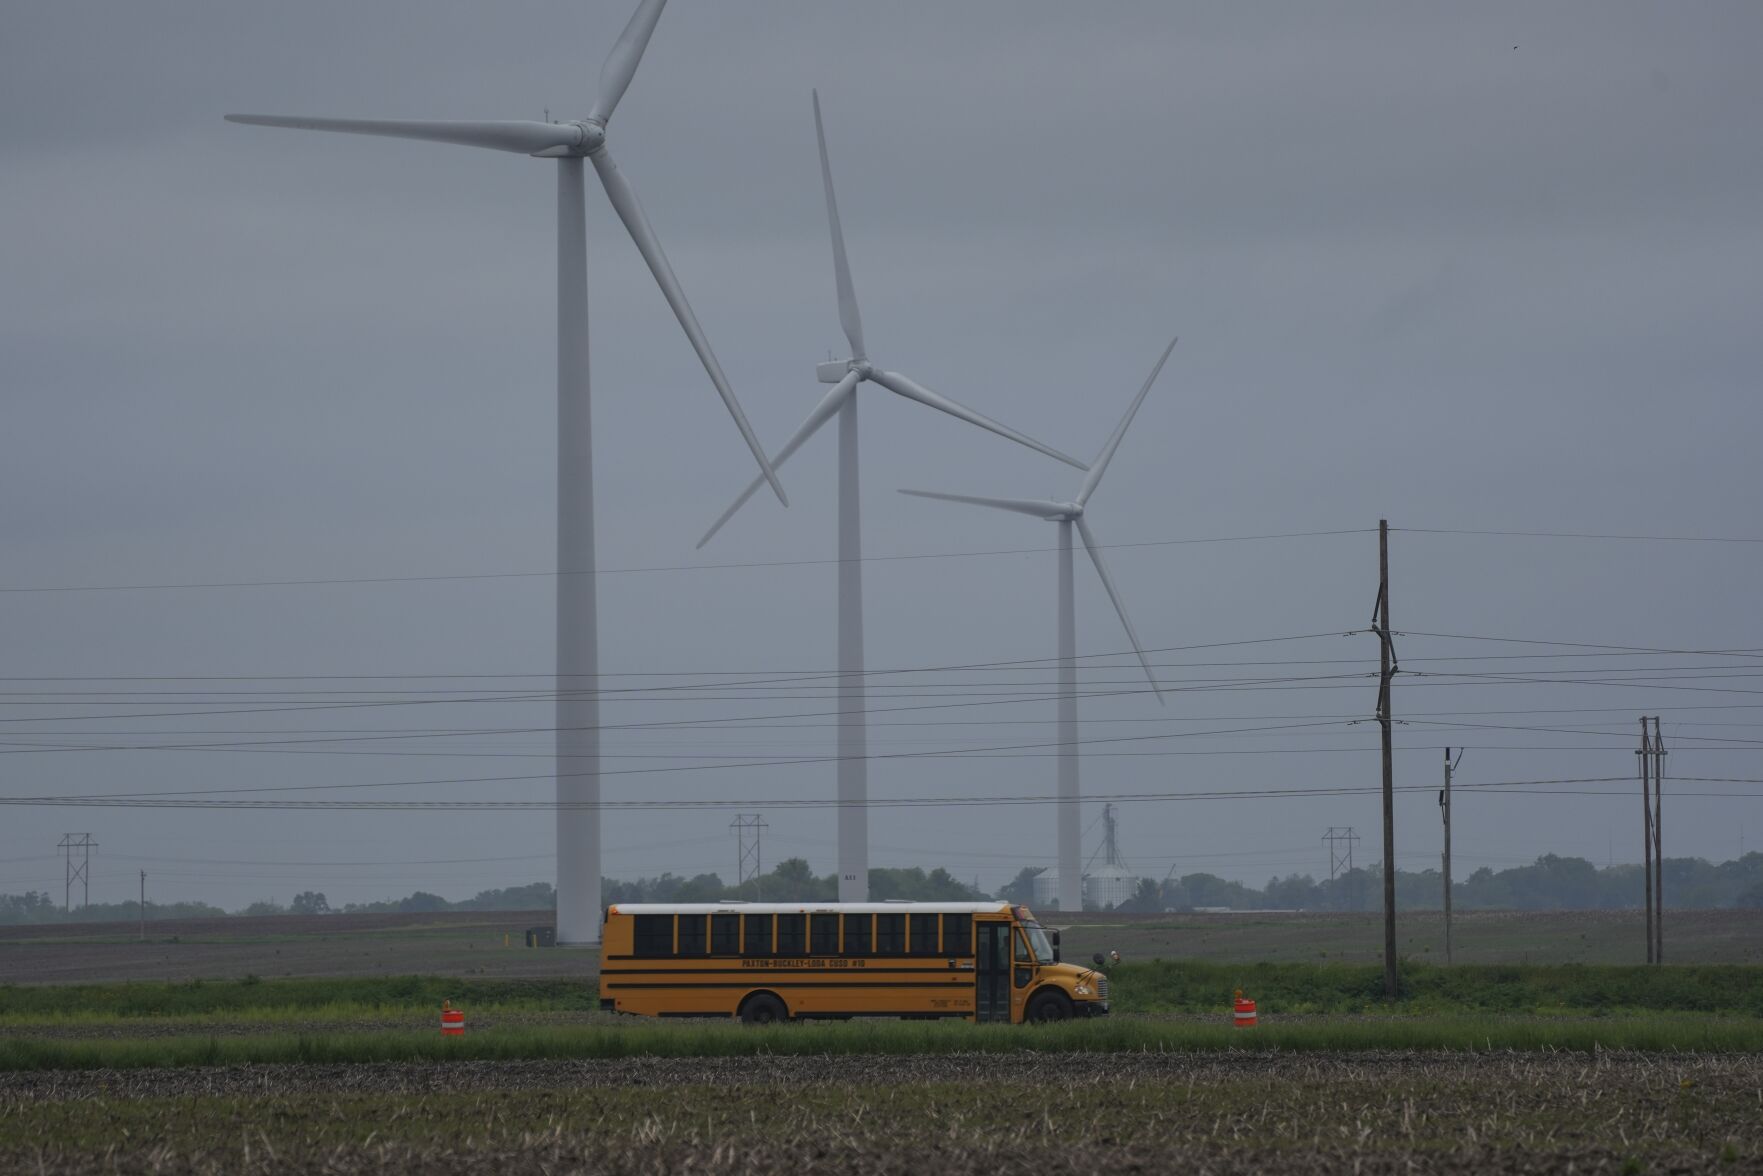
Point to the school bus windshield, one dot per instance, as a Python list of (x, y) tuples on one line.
[(1038, 943)]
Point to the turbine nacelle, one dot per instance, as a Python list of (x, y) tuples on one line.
[(846, 374), (835, 370), (1071, 514), (590, 137)]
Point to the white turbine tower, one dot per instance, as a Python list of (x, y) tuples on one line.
[(1070, 515), (578, 683), (846, 376)]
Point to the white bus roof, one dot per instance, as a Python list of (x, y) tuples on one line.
[(811, 908)]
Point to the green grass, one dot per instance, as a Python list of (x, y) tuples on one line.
[(1159, 987), (251, 997), (1194, 987), (1471, 1033)]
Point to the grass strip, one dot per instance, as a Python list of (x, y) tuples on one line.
[(252, 996), (1153, 986), (1466, 1034), (1157, 986)]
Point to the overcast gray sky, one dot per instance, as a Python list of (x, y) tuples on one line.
[(1490, 267)]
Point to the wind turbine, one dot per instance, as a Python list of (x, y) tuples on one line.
[(578, 683), (1070, 516), (846, 376)]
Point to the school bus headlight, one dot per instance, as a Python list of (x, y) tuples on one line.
[(1082, 990)]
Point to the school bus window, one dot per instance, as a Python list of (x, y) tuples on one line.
[(755, 935), (792, 935), (924, 935), (691, 935), (823, 935), (725, 935), (653, 935), (890, 935), (857, 928), (1023, 973), (1000, 952), (958, 935)]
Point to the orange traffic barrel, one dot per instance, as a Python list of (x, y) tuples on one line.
[(452, 1020), (1245, 1012)]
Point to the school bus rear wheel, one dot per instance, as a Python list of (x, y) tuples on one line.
[(762, 1008)]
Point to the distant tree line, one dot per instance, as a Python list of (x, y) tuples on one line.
[(35, 906), (38, 907), (1550, 883), (791, 880)]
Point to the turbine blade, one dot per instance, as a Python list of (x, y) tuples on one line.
[(1100, 466), (618, 190), (523, 138), (1095, 551), (627, 54), (1038, 508), (901, 386), (848, 316), (823, 412)]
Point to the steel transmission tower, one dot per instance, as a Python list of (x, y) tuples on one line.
[(1340, 851), (78, 870), (749, 865), (1110, 843)]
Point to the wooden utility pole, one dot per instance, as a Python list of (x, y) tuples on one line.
[(143, 906), (1658, 850), (1445, 805), (1387, 658), (1645, 755)]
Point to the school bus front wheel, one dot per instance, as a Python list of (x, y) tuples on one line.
[(1047, 1006)]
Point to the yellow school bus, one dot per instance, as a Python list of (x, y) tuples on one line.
[(764, 962)]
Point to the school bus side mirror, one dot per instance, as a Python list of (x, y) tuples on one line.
[(1098, 958), (1055, 947)]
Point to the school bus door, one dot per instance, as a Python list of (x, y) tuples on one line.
[(991, 978)]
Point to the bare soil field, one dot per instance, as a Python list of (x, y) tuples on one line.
[(1217, 1112), (448, 944), (461, 944), (1478, 937)]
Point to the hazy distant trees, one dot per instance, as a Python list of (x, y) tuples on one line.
[(1549, 883), (33, 906), (1147, 899), (420, 902), (1021, 889), (309, 902), (36, 906)]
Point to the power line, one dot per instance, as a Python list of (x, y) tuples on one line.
[(366, 734), (782, 762), (1574, 644), (1493, 788), (789, 563), (773, 563), (1022, 665), (975, 698), (1579, 535)]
